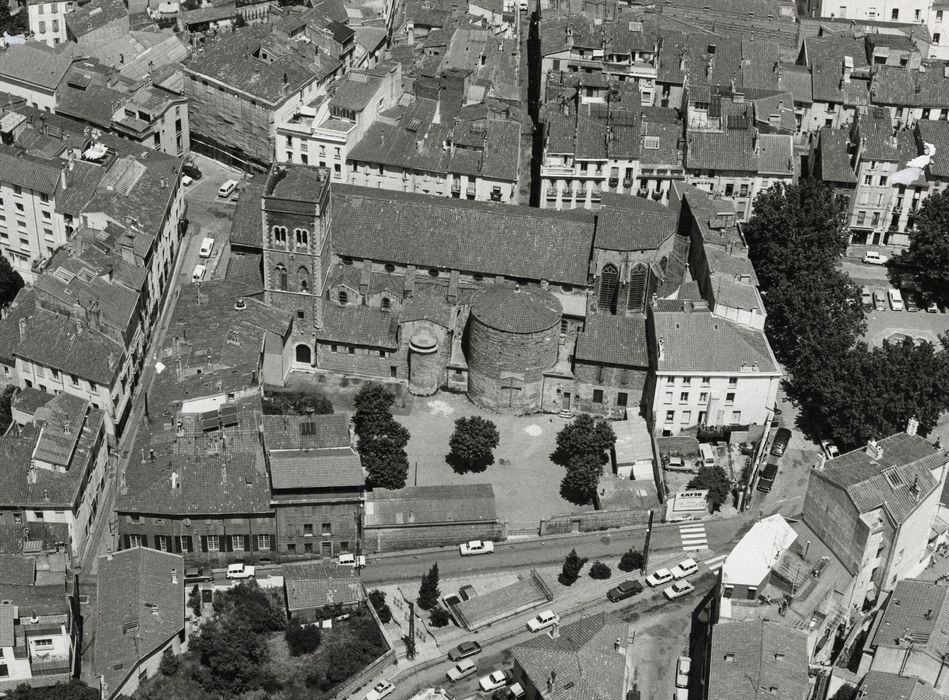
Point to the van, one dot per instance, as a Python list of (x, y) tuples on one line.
[(766, 478), (198, 273), (707, 455), (896, 299), (207, 245), (227, 189)]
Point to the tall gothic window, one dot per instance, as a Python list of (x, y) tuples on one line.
[(609, 284), (637, 287)]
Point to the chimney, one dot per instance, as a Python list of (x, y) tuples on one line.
[(912, 425), (555, 631), (22, 325), (616, 645), (174, 576), (848, 70), (874, 450), (174, 480), (62, 176), (662, 348), (31, 474), (821, 461), (67, 427)]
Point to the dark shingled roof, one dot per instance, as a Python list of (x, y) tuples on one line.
[(758, 654), (583, 657), (418, 505), (312, 432), (34, 63), (515, 309), (614, 340), (444, 233), (97, 14), (316, 469), (311, 585), (633, 223), (22, 306), (246, 229), (918, 610), (834, 159), (359, 325), (878, 685), (887, 481), (141, 605)]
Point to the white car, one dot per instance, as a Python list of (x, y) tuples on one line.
[(186, 180), (871, 257), (198, 274), (686, 567), (678, 589), (830, 449), (683, 667), (347, 559), (470, 549), (495, 680), (546, 619), (462, 669), (239, 571), (380, 690), (658, 577)]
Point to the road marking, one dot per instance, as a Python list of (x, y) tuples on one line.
[(694, 537), (715, 563)]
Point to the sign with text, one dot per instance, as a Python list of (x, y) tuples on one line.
[(689, 500)]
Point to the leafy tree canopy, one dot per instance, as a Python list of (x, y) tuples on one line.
[(571, 568), (472, 443), (10, 280), (584, 435), (929, 244), (73, 690), (631, 561), (716, 481)]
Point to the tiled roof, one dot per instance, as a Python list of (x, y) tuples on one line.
[(7, 623), (358, 325), (94, 104), (428, 307), (230, 59), (875, 134), (28, 399), (22, 306), (116, 304), (316, 469), (29, 172), (33, 63), (614, 340), (932, 84), (776, 154), (141, 606), (768, 656), (936, 133), (515, 309), (632, 223), (312, 586), (299, 182), (697, 341), (893, 85), (670, 139), (16, 570), (246, 228), (834, 159), (828, 85), (71, 346), (418, 505), (476, 237), (918, 613), (582, 655), (878, 685), (732, 149), (246, 268), (97, 14), (887, 481), (797, 80), (311, 432), (354, 91)]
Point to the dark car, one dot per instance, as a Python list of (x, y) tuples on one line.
[(464, 650), (197, 575), (627, 589), (766, 478), (781, 439), (909, 302)]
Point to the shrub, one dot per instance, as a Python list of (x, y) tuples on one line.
[(631, 561), (571, 568), (169, 663), (600, 570), (378, 600), (302, 639), (440, 617)]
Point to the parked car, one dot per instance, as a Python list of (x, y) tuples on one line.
[(866, 296), (347, 559), (766, 478), (781, 439), (627, 589), (684, 568), (683, 666), (207, 245), (676, 463), (879, 300), (546, 619), (678, 589), (909, 301), (380, 690), (462, 669), (196, 574), (198, 274), (512, 692), (932, 307), (240, 570), (187, 181), (871, 257), (830, 449), (895, 298), (227, 189), (658, 577), (464, 650), (474, 547), (494, 680)]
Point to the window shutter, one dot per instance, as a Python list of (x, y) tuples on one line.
[(273, 543), (228, 547), (247, 543), (144, 540), (175, 544), (125, 542), (253, 543), (204, 543)]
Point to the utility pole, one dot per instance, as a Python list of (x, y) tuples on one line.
[(646, 545), (410, 645)]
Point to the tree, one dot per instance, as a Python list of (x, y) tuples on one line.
[(929, 243), (582, 477), (373, 405), (13, 24), (6, 414), (472, 444), (440, 617), (231, 656), (631, 561), (378, 600), (846, 692), (252, 606), (73, 690), (169, 663), (571, 568), (428, 592), (382, 440), (301, 402), (10, 280), (583, 436), (716, 481), (302, 639), (599, 570), (194, 601)]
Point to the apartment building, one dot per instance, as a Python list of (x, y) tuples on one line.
[(48, 20), (33, 71), (877, 157)]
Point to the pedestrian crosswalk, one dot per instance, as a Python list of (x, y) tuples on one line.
[(693, 537), (715, 563)]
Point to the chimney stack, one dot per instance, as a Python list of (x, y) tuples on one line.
[(22, 326), (174, 576), (874, 450), (662, 348), (848, 70), (174, 480), (912, 425)]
